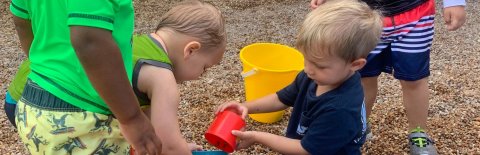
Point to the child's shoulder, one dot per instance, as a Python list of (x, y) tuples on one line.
[(350, 90)]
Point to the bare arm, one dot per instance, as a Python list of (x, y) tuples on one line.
[(24, 32), (161, 87), (269, 103), (102, 61), (280, 144)]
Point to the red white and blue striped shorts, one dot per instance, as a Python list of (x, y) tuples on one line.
[(404, 50)]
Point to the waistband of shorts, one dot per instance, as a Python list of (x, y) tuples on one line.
[(424, 11), (36, 96)]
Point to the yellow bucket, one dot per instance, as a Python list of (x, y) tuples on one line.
[(267, 68)]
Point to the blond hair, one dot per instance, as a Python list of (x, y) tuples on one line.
[(196, 19), (345, 28)]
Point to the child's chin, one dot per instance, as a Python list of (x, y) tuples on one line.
[(321, 83)]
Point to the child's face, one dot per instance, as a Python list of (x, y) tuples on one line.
[(193, 67), (329, 70)]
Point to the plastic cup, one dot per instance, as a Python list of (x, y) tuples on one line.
[(219, 134)]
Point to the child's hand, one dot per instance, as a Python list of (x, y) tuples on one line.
[(235, 107), (315, 3), (194, 147), (454, 17), (246, 138), (141, 135)]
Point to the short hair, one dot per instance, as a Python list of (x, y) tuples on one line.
[(345, 28), (196, 19)]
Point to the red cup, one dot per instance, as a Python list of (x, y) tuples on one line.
[(219, 134)]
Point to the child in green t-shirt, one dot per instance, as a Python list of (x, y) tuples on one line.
[(78, 97), (181, 48)]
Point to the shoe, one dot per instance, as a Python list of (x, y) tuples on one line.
[(420, 143)]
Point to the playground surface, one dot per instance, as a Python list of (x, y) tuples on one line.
[(454, 114)]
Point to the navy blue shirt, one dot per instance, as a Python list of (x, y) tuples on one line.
[(332, 123)]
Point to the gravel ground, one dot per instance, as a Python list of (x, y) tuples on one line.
[(454, 116)]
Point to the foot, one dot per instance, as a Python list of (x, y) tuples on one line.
[(420, 143)]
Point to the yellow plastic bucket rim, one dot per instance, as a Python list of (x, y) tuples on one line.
[(264, 69)]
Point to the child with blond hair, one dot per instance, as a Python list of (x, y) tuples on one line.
[(404, 52), (189, 39), (328, 115)]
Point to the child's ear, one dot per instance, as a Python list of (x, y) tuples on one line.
[(191, 48), (358, 64)]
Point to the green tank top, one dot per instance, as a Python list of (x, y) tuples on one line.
[(146, 50), (18, 83)]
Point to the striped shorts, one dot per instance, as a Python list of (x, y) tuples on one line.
[(404, 50)]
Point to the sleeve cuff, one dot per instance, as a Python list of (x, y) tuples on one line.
[(307, 147), (450, 3), (90, 20), (283, 99), (19, 12)]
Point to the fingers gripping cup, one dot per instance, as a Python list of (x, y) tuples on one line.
[(219, 134)]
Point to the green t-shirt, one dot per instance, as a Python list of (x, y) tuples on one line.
[(54, 64)]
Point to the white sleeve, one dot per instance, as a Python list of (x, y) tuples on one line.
[(449, 3)]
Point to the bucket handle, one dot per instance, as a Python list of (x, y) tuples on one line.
[(249, 73)]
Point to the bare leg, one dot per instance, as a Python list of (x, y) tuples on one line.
[(415, 100), (370, 88)]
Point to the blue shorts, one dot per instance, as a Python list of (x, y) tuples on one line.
[(404, 50), (9, 107)]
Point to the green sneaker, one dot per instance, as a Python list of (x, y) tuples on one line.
[(420, 143)]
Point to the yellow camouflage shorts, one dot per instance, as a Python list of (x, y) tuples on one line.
[(52, 132)]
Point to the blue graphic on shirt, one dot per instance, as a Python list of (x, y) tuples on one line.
[(364, 124), (301, 130)]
